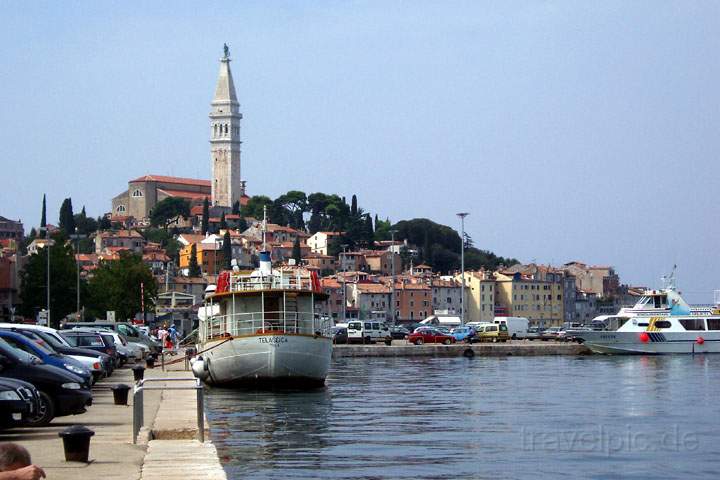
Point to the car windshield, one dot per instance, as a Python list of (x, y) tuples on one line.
[(24, 357), (50, 339)]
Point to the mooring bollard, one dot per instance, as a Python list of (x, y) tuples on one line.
[(120, 393), (138, 372), (150, 362), (76, 443)]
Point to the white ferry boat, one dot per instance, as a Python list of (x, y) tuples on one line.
[(660, 322), (261, 330)]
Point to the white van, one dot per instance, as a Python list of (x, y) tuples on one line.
[(517, 326), (368, 331)]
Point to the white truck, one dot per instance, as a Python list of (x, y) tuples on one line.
[(517, 326), (368, 331)]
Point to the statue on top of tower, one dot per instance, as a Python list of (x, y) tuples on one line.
[(226, 49)]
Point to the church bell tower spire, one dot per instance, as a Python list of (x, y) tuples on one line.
[(225, 116)]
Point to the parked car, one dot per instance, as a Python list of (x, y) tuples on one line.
[(464, 334), (97, 363), (492, 332), (47, 355), (399, 333), (92, 340), (339, 334), (61, 393), (368, 331), (131, 332), (430, 335), (534, 333), (551, 333), (19, 400), (517, 327)]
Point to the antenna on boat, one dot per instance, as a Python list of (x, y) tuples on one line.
[(669, 280), (264, 227)]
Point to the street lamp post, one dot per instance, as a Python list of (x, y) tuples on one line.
[(77, 267), (47, 247), (392, 279), (344, 304), (462, 216)]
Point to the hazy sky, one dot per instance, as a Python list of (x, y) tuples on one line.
[(569, 130)]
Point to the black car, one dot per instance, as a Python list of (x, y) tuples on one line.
[(339, 334), (61, 393), (398, 333), (18, 400)]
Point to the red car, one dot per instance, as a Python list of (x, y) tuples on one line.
[(430, 335)]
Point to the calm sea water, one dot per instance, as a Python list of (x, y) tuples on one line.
[(518, 417)]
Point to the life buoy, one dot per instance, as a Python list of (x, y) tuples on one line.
[(469, 353)]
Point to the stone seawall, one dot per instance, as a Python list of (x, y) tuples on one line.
[(458, 350)]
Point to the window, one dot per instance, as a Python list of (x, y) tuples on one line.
[(137, 193), (663, 324), (693, 323), (120, 209), (713, 323)]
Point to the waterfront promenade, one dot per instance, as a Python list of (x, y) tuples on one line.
[(521, 348), (172, 414)]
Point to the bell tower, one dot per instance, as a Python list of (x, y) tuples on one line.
[(225, 116)]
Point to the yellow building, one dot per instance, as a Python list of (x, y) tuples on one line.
[(540, 301), (479, 296)]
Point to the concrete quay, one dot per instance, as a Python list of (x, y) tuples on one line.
[(166, 446), (400, 348)]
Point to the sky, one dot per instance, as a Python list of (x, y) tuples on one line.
[(568, 130)]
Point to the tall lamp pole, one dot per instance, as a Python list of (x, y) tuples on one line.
[(77, 266), (47, 247), (344, 304), (392, 261), (462, 216)]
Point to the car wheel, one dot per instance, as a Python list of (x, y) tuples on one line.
[(494, 340), (45, 414), (514, 336), (419, 341), (446, 341), (388, 342)]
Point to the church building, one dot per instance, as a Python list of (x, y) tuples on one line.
[(225, 187)]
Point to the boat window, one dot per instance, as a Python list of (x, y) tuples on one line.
[(663, 324), (693, 323), (643, 324), (713, 323), (658, 302)]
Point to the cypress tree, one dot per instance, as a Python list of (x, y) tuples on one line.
[(227, 249), (296, 254), (67, 219), (353, 206), (223, 223), (43, 218), (205, 216), (194, 268)]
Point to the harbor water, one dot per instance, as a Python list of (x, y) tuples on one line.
[(599, 417)]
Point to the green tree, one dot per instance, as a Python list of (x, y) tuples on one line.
[(43, 216), (63, 278), (255, 205), (67, 219), (85, 225), (194, 268), (227, 250), (168, 210), (223, 222), (103, 223), (205, 225), (242, 224), (296, 252), (353, 206), (236, 207), (116, 286), (382, 229)]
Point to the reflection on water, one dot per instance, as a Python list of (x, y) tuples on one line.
[(516, 417)]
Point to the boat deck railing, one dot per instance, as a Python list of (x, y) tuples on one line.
[(247, 283), (254, 323)]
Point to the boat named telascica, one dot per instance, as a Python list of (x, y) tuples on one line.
[(261, 330), (660, 322)]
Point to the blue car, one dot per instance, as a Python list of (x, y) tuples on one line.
[(50, 357), (464, 334)]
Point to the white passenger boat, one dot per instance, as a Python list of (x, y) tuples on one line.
[(261, 330), (660, 322)]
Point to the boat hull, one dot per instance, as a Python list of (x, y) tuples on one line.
[(625, 343), (267, 360)]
